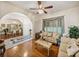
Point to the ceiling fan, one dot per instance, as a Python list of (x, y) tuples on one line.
[(41, 9)]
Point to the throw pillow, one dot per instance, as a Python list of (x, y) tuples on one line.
[(54, 34)]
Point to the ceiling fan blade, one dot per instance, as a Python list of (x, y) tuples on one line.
[(34, 9), (48, 7), (39, 2), (45, 11)]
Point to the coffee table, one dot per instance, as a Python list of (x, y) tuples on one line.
[(44, 44)]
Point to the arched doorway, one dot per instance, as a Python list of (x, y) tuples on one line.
[(19, 18), (10, 28), (27, 24)]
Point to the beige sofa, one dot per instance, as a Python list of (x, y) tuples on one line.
[(68, 47), (50, 37)]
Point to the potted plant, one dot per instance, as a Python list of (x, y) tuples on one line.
[(74, 32)]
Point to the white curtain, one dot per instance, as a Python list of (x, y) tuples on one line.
[(54, 25)]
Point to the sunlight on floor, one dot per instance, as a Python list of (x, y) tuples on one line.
[(25, 54), (15, 48)]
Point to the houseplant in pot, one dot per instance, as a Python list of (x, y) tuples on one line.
[(74, 32)]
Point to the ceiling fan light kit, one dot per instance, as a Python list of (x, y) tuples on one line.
[(41, 9)]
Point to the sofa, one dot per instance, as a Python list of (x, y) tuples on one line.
[(69, 47), (50, 37)]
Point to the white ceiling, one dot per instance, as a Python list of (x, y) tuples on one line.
[(57, 5)]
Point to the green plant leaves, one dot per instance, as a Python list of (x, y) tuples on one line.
[(74, 32)]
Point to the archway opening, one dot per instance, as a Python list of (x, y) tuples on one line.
[(26, 22), (16, 22)]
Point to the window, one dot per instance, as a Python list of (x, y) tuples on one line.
[(54, 25)]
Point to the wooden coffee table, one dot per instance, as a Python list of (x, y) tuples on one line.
[(44, 44)]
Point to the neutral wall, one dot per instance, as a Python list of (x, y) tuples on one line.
[(71, 17)]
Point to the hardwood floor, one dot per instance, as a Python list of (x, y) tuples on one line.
[(20, 50), (28, 49), (10, 35)]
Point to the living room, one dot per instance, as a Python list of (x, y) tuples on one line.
[(39, 28)]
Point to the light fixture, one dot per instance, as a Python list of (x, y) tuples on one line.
[(40, 11)]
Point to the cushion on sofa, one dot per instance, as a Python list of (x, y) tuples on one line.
[(64, 44), (77, 41), (48, 39), (72, 41), (44, 34), (65, 40), (49, 34), (72, 48), (77, 54), (63, 47), (51, 39)]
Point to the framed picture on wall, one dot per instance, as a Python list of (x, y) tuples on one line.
[(9, 26), (2, 25)]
